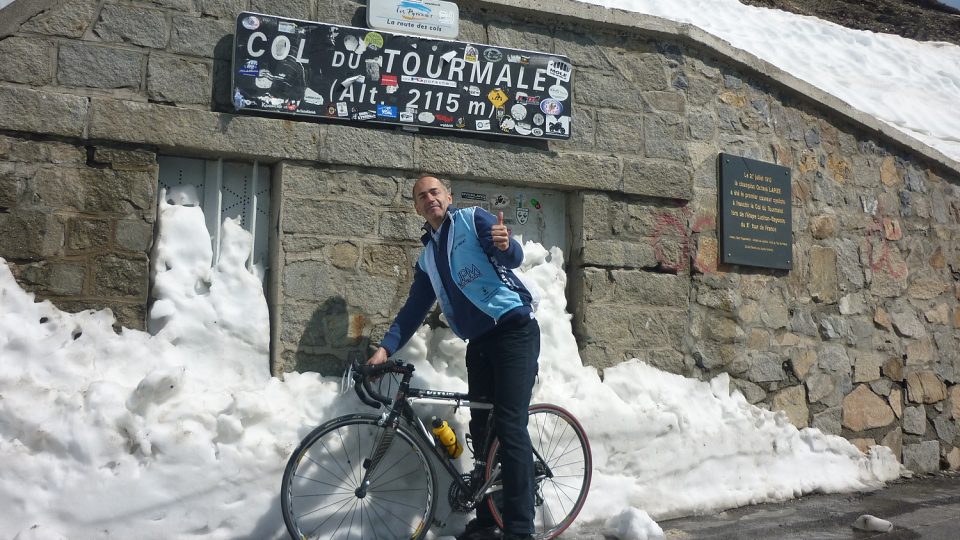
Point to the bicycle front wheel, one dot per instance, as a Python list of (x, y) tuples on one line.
[(320, 495), (563, 468)]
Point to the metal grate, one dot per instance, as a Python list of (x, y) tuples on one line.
[(223, 189)]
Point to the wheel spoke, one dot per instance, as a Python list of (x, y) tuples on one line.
[(319, 496), (562, 448)]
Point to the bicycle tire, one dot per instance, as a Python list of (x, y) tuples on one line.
[(560, 439), (318, 492)]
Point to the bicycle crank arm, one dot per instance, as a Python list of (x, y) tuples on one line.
[(487, 488)]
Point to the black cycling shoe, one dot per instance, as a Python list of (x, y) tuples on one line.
[(477, 531)]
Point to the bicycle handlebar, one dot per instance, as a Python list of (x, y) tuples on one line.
[(362, 373)]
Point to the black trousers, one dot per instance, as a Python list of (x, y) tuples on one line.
[(502, 367)]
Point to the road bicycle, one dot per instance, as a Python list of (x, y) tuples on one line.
[(368, 476)]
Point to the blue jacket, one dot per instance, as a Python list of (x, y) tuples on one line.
[(471, 278)]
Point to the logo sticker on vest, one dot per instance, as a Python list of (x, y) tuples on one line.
[(468, 275)]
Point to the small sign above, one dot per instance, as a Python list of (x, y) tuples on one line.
[(316, 70), (756, 218), (422, 17)]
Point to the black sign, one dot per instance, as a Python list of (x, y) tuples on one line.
[(310, 69), (756, 227)]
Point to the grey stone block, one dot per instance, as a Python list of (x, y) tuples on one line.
[(86, 233), (340, 11), (618, 254), (665, 101), (134, 235), (664, 136), (599, 356), (822, 387), (174, 128), (95, 66), (923, 457), (129, 24), (725, 300), (223, 9), (828, 421), (514, 163), (196, 36), (775, 314), (597, 286), (764, 367), (121, 276), (915, 420), (26, 61), (329, 218), (638, 287), (657, 179), (32, 152), (946, 428), (30, 235), (125, 160), (472, 28), (401, 226), (702, 125), (294, 9), (641, 65), (530, 37), (620, 133), (834, 359), (582, 49), (95, 190), (669, 360), (309, 281), (62, 279), (367, 147), (178, 80), (700, 92), (38, 111), (385, 260), (67, 19), (606, 89), (312, 183), (751, 392)]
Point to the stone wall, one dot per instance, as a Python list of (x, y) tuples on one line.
[(76, 223), (859, 339)]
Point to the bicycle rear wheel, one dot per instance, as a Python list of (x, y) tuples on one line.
[(320, 497), (563, 468)]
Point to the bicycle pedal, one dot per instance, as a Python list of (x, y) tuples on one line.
[(366, 463)]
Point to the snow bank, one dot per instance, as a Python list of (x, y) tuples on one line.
[(183, 433)]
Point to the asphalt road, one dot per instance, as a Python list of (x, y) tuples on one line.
[(926, 507)]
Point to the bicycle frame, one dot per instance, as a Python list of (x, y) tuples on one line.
[(402, 407), (327, 488)]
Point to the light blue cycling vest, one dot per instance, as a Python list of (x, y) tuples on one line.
[(484, 282)]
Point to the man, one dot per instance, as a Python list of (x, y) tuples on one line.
[(466, 264)]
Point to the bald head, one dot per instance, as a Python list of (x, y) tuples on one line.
[(431, 197)]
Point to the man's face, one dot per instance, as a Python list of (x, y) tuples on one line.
[(431, 199)]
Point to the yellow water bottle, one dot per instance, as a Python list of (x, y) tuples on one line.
[(447, 437)]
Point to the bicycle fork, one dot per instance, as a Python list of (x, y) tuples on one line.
[(384, 440)]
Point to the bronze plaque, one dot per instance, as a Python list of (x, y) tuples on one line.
[(756, 227)]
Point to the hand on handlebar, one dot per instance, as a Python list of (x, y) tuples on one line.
[(378, 357)]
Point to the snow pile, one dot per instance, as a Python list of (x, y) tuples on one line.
[(908, 84), (184, 434)]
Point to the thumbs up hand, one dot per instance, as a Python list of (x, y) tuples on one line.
[(500, 234)]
